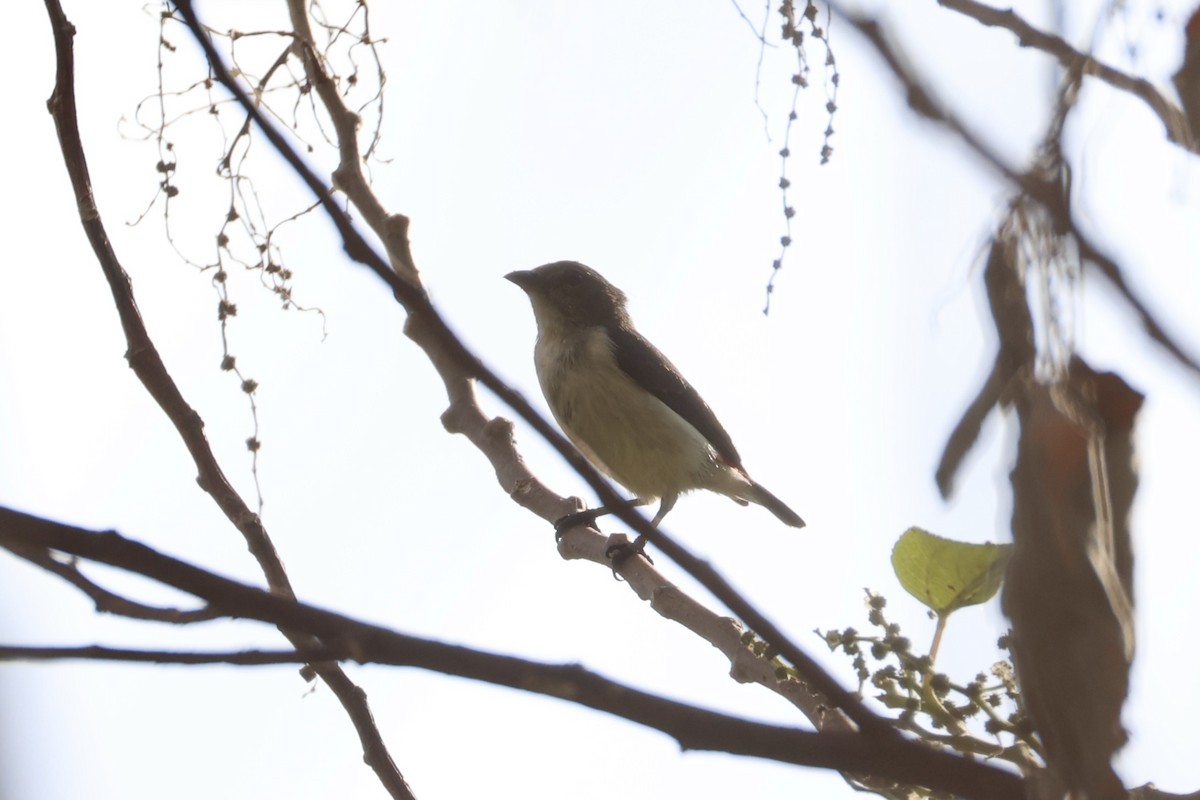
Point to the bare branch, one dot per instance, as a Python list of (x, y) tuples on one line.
[(1071, 59), (1154, 329), (1049, 192), (1150, 792), (148, 366), (694, 728), (242, 658), (723, 633), (142, 355)]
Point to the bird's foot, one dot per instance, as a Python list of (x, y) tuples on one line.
[(586, 517), (620, 549)]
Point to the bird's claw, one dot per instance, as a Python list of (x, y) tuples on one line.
[(621, 549), (564, 524)]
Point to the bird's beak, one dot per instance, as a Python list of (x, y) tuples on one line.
[(522, 277)]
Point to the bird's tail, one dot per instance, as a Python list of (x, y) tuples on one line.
[(773, 504)]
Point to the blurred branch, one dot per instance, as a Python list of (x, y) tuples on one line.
[(1150, 792), (1067, 588), (148, 365), (1071, 59), (1006, 293), (920, 100), (1109, 269), (1052, 193), (1003, 280), (694, 728), (457, 366), (1010, 314)]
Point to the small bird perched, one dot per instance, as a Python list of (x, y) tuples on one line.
[(622, 403)]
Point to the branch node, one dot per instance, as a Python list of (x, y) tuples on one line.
[(498, 430)]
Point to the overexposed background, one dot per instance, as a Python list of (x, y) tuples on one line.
[(624, 135)]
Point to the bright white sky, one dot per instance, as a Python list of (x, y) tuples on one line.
[(622, 134)]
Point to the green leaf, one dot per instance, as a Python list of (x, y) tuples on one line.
[(946, 575)]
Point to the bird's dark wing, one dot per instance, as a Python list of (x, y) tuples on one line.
[(651, 370)]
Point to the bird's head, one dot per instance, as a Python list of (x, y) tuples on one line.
[(567, 292)]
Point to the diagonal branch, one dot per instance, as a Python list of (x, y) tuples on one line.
[(1051, 194), (142, 355), (1071, 59), (148, 365), (458, 366), (694, 728)]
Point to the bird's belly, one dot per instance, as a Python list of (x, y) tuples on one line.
[(625, 431)]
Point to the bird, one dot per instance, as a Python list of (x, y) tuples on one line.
[(622, 403)]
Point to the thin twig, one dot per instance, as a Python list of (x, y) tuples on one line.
[(110, 602)]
